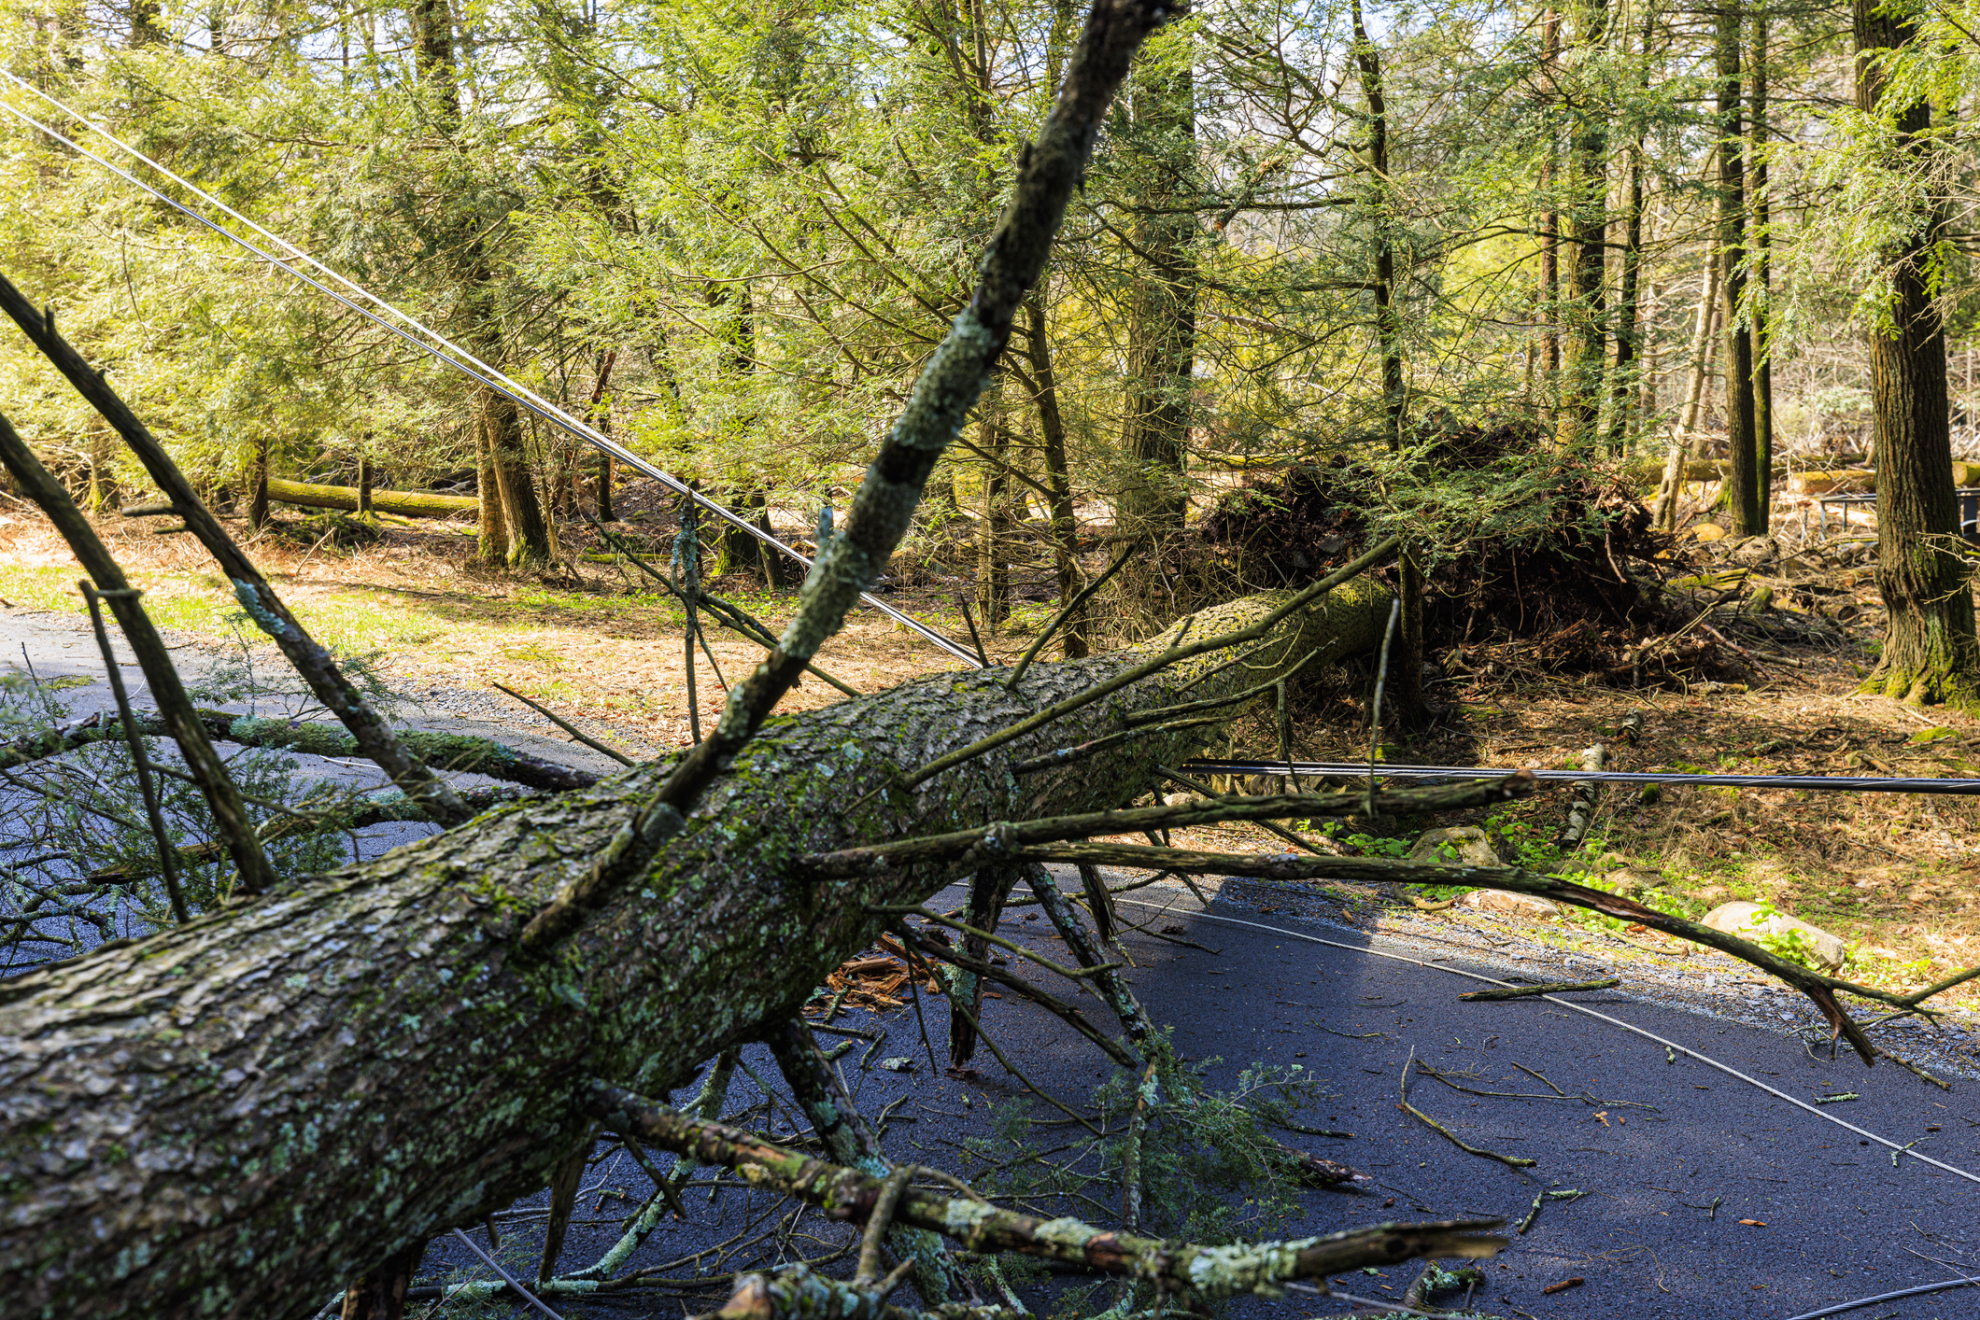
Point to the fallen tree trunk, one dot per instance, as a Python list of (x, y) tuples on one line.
[(458, 752), (405, 503), (235, 1116)]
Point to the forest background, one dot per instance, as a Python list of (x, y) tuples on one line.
[(731, 234), (1475, 265)]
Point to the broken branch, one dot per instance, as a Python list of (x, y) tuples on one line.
[(1202, 1272), (1547, 988)]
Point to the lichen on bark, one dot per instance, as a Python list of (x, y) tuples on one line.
[(234, 1116)]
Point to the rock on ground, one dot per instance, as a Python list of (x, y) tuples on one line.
[(1466, 842), (1744, 919)]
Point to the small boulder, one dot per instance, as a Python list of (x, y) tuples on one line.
[(1520, 905), (1749, 919), (1467, 842)]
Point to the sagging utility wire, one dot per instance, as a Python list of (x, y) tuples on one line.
[(1812, 783), (447, 352)]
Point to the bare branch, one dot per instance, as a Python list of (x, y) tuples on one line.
[(316, 666), (1205, 1273), (223, 799)]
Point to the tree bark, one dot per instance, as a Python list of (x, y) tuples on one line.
[(491, 524), (258, 501), (1687, 419), (1930, 654), (1406, 678), (599, 414), (1550, 220), (1058, 477), (513, 529), (1631, 377), (993, 531), (1748, 512), (261, 1104), (1588, 232), (530, 542), (1624, 382), (1762, 295), (1161, 335)]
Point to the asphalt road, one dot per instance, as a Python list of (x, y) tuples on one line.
[(1704, 1194)]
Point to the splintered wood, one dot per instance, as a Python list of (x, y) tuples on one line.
[(873, 981)]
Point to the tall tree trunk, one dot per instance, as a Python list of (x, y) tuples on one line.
[(1748, 511), (1550, 218), (491, 524), (269, 1100), (258, 501), (1624, 382), (1630, 372), (1588, 232), (1405, 690), (736, 550), (993, 533), (525, 533), (599, 414), (1073, 632), (530, 540), (1762, 316), (1694, 392), (1161, 345), (1930, 654)]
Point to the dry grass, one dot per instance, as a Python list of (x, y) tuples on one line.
[(589, 640)]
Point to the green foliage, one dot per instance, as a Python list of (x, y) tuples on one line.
[(1790, 944), (1210, 1170), (80, 858)]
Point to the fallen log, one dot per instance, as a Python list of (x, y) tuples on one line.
[(405, 503), (237, 1115), (457, 752)]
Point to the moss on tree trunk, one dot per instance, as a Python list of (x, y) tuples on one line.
[(238, 1115), (1930, 655)]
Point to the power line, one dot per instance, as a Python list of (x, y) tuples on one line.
[(448, 353), (1811, 783)]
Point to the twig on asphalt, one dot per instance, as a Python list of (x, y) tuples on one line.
[(1546, 988), (507, 1277), (1510, 1161)]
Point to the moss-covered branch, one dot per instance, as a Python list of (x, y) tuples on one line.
[(1200, 1273), (404, 503), (315, 665), (459, 753), (1012, 839)]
